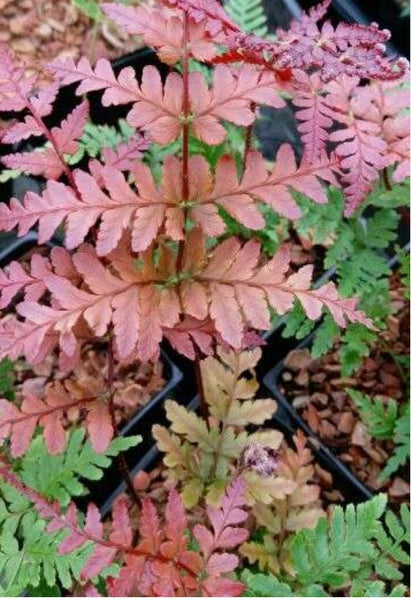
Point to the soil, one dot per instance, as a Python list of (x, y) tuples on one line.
[(40, 31), (136, 383), (318, 391)]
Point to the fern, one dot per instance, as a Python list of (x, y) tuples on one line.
[(90, 8), (7, 379), (268, 586), (405, 269), (324, 337), (155, 559), (321, 223), (260, 585), (98, 137), (249, 15), (296, 324), (356, 252), (29, 554), (384, 421), (401, 454), (61, 477), (355, 249), (201, 458), (353, 542), (361, 546), (378, 416)]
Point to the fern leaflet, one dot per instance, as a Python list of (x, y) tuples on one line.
[(249, 15)]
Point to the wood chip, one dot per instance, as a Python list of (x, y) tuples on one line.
[(301, 401), (327, 429), (360, 436), (346, 422), (399, 488), (302, 378), (320, 398), (298, 359)]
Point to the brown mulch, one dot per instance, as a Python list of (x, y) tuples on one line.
[(135, 383), (317, 390), (40, 31)]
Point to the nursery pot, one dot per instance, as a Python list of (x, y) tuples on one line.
[(354, 489), (343, 480), (12, 248)]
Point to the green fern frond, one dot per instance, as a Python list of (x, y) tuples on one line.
[(61, 477), (401, 454), (90, 8), (390, 540), (97, 137), (268, 586), (361, 546), (249, 15), (324, 337), (7, 379), (378, 415), (354, 543), (28, 554), (405, 269), (384, 422)]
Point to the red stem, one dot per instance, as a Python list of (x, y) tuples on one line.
[(51, 512), (248, 138), (185, 182), (186, 112), (50, 137)]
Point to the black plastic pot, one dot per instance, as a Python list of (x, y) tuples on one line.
[(351, 487), (66, 101), (343, 480), (355, 489), (139, 424)]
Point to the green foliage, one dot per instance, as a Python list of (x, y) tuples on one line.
[(60, 477), (353, 544), (378, 415), (97, 137), (249, 15), (28, 554), (325, 336), (385, 421), (355, 249), (7, 379), (296, 323), (360, 546), (91, 8), (401, 454), (268, 586), (405, 269), (269, 237), (320, 221)]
